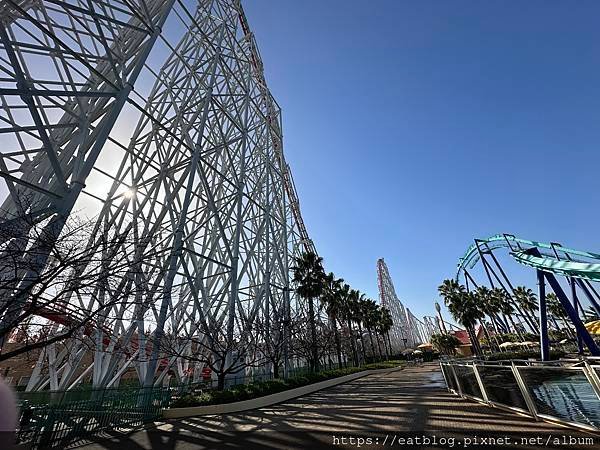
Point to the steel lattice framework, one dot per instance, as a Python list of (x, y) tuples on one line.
[(171, 98), (417, 328), (403, 333), (431, 326), (578, 269)]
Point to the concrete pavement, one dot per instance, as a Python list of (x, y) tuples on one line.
[(384, 408)]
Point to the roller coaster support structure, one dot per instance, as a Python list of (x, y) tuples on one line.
[(579, 268), (544, 341), (582, 332), (153, 117)]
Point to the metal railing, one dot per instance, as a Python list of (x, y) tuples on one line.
[(62, 418), (564, 391)]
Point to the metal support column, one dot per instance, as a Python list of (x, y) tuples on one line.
[(576, 309), (544, 343)]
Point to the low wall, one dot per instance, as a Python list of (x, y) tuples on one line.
[(268, 400)]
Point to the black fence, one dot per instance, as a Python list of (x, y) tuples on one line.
[(62, 418)]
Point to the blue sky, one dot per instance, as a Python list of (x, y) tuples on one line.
[(414, 127)]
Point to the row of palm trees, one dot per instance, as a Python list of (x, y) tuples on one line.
[(471, 307), (347, 309)]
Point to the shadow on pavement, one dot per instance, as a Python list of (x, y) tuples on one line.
[(407, 404)]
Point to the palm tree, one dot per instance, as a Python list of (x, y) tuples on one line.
[(386, 325), (506, 307), (487, 306), (308, 276), (527, 300), (371, 314), (557, 311), (590, 314), (378, 313), (333, 301), (463, 307), (357, 313), (445, 343), (449, 288), (375, 318), (348, 313), (493, 308)]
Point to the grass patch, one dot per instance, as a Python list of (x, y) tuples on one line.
[(260, 389)]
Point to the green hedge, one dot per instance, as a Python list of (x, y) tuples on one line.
[(260, 389), (384, 365), (524, 354)]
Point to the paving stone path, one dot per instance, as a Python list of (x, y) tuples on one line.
[(385, 408)]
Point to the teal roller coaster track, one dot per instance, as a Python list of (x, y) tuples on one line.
[(580, 268), (588, 269)]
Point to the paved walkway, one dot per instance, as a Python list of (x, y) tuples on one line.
[(382, 407)]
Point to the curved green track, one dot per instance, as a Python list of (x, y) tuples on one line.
[(588, 269)]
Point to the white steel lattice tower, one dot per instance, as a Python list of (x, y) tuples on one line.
[(68, 69), (416, 328), (401, 333), (195, 180), (431, 326)]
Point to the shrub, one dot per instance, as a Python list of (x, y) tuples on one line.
[(255, 389), (224, 396), (384, 365), (298, 381), (259, 389), (241, 392), (192, 400), (274, 386), (524, 354)]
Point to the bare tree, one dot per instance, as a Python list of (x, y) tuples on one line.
[(209, 346), (302, 340), (73, 295)]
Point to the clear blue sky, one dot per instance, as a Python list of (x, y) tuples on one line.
[(414, 126)]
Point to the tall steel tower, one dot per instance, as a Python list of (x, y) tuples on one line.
[(417, 329), (431, 326), (160, 113), (401, 334)]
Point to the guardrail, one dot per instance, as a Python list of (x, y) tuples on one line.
[(565, 391), (61, 418)]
